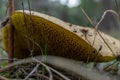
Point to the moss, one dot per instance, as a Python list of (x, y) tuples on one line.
[(60, 42)]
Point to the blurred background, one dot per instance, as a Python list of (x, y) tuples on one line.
[(69, 11)]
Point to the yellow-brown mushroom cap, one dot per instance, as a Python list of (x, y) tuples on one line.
[(35, 31)]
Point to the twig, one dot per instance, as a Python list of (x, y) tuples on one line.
[(10, 33), (36, 67), (38, 59), (4, 22), (87, 17), (3, 78), (35, 43), (35, 59), (50, 73), (31, 26), (103, 16), (65, 64), (6, 59)]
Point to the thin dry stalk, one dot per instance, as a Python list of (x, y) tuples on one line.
[(103, 16), (31, 25), (10, 33), (65, 64), (35, 59), (61, 75), (31, 49), (35, 43), (88, 18), (36, 67), (3, 78), (50, 73)]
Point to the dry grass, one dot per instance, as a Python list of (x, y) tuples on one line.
[(62, 69)]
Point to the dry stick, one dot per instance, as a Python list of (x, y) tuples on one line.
[(28, 43), (10, 33), (50, 68), (96, 27), (41, 58), (4, 22), (36, 67), (24, 25), (65, 64), (96, 30), (105, 12), (3, 78), (31, 26), (35, 43), (6, 59), (37, 59), (50, 73)]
